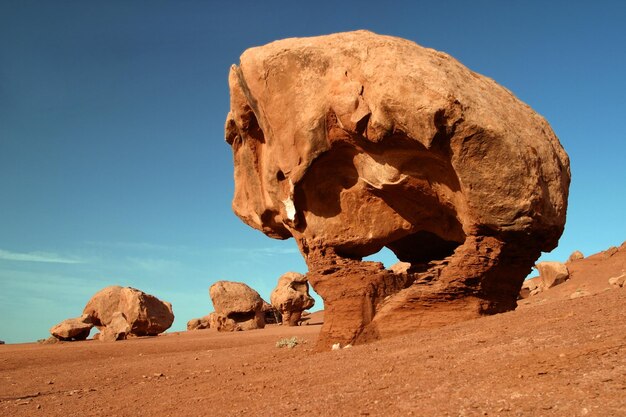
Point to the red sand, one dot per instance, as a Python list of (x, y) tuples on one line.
[(552, 356)]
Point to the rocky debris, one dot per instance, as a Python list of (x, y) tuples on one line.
[(117, 328), (50, 341), (618, 281), (610, 251), (552, 273), (73, 329), (355, 141), (145, 314), (575, 256), (237, 307), (579, 293), (530, 287), (291, 297), (199, 323)]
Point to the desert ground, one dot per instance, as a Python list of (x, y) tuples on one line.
[(561, 353)]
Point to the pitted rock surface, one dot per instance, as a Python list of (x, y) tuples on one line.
[(145, 314), (237, 307), (355, 141), (291, 297)]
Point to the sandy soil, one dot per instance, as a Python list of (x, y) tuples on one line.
[(553, 356)]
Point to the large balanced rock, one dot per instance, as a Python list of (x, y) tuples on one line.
[(354, 141), (237, 307), (73, 329), (145, 314), (291, 297)]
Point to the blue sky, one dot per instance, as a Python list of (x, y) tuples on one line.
[(113, 166)]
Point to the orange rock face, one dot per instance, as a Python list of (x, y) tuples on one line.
[(291, 297), (237, 307), (353, 142), (145, 314)]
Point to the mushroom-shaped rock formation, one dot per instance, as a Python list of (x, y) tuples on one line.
[(354, 141), (73, 329), (237, 307), (145, 314), (291, 297)]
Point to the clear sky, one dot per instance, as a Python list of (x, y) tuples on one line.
[(113, 166)]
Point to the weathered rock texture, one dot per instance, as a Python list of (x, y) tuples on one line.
[(552, 273), (575, 256), (199, 323), (237, 307), (353, 142), (291, 297), (145, 314), (531, 286), (73, 329)]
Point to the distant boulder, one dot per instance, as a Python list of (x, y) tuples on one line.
[(618, 281), (237, 307), (530, 287), (291, 297), (575, 256), (145, 314), (552, 273), (199, 323), (73, 329)]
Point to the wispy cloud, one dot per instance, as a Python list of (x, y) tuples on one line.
[(154, 265), (263, 251), (141, 246), (37, 257)]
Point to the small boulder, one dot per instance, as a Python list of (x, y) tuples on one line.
[(575, 256), (237, 307), (530, 287), (145, 314), (73, 329), (291, 297), (619, 281), (610, 252), (1, 342), (199, 323), (552, 273), (579, 293)]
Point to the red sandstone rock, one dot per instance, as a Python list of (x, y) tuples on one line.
[(145, 314), (353, 142), (530, 287), (575, 256), (291, 297), (117, 328), (73, 329), (199, 324), (236, 302)]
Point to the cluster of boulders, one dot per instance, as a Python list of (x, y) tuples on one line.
[(118, 313), (239, 307)]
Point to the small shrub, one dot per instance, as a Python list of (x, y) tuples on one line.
[(288, 342)]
